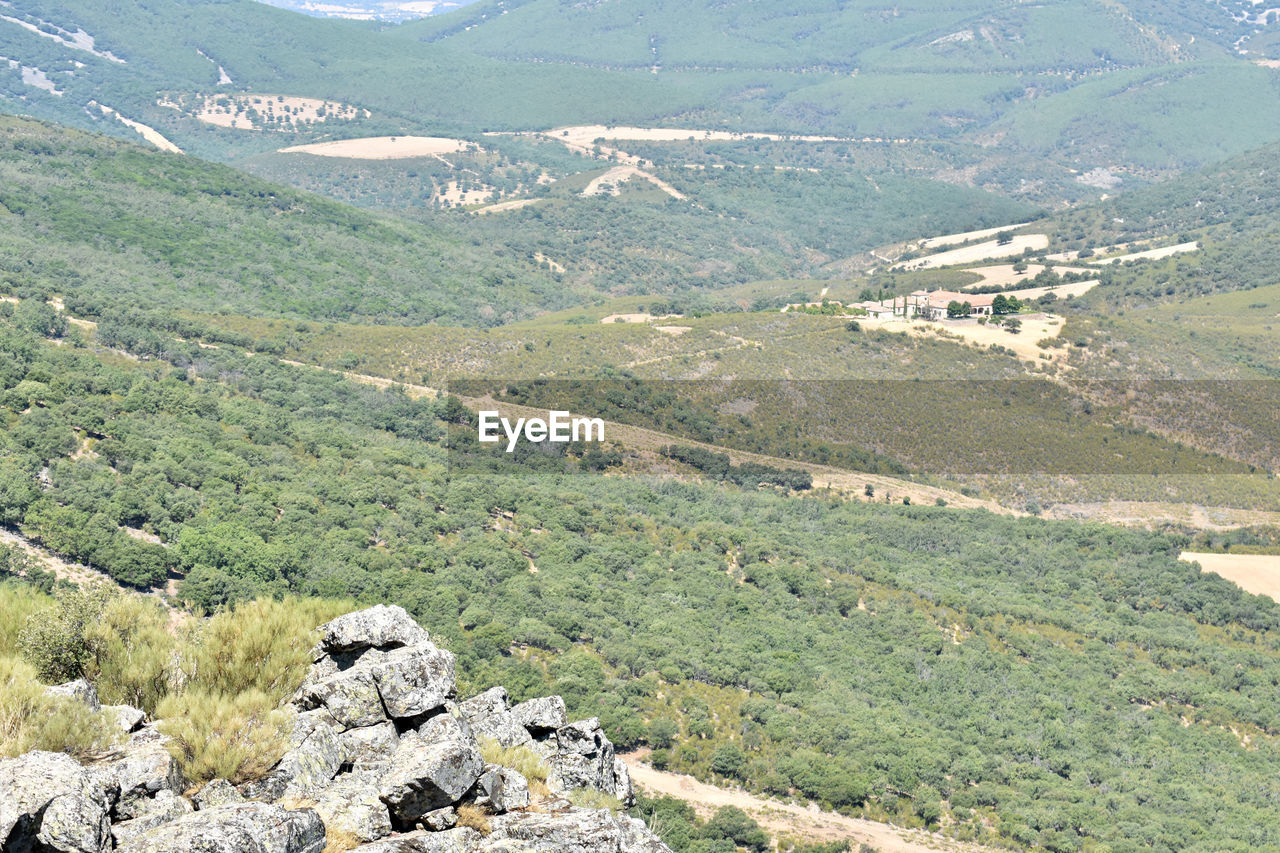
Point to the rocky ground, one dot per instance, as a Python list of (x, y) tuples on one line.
[(383, 759)]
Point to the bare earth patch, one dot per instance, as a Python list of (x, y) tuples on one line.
[(1256, 573), (1153, 254), (610, 181), (978, 252), (1004, 274), (1075, 288), (264, 112), (966, 236), (807, 822), (514, 204), (1025, 344), (383, 147)]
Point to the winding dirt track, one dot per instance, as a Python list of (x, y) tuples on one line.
[(778, 818)]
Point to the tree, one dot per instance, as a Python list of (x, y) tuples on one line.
[(662, 733), (1004, 238), (956, 308), (1020, 267), (728, 760)]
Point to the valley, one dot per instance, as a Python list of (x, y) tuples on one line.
[(934, 347)]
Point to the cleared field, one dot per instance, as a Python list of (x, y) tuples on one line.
[(383, 147), (1035, 327), (1075, 288), (978, 252), (1256, 573), (264, 112), (1004, 274), (609, 182), (966, 236), (1153, 254)]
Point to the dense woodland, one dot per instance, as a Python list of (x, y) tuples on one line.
[(863, 655)]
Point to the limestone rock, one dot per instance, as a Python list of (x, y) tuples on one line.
[(235, 828), (623, 789), (440, 819), (48, 802), (219, 792), (492, 701), (431, 768), (379, 627), (79, 690), (542, 715), (165, 807), (350, 696)]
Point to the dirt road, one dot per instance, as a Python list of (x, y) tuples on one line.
[(778, 818)]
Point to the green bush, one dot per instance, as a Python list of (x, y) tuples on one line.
[(213, 736), (29, 719)]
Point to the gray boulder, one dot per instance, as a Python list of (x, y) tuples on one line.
[(379, 627), (542, 715), (48, 802), (78, 690), (503, 728), (219, 792), (573, 831), (165, 807), (440, 819), (313, 759), (351, 804), (460, 840), (350, 696), (584, 758), (624, 790), (431, 768), (492, 701), (415, 680), (127, 717), (142, 768), (235, 828), (403, 683), (637, 838), (502, 789), (370, 746)]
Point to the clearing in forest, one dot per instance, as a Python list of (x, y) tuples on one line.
[(383, 147), (978, 252), (1256, 573)]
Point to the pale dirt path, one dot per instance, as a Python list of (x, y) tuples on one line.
[(1255, 573), (779, 818), (609, 182)]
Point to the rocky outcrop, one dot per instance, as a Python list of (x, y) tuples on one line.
[(49, 802), (382, 756), (236, 828)]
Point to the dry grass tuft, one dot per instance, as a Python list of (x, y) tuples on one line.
[(474, 817)]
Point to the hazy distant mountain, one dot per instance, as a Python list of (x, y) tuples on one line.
[(371, 10)]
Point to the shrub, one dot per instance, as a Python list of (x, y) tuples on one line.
[(590, 798), (17, 602), (238, 737), (55, 640), (261, 645), (131, 652), (521, 759), (29, 719)]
